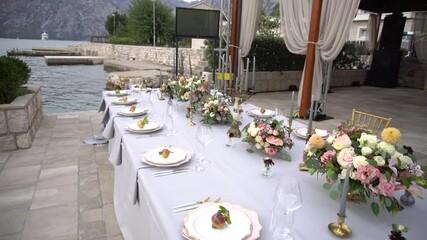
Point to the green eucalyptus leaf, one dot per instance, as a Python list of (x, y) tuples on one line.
[(334, 194), (372, 162), (327, 186), (388, 176), (406, 182), (375, 208), (249, 150), (387, 202)]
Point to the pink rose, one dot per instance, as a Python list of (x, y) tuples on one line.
[(373, 172), (341, 142), (345, 157), (270, 150), (385, 187), (261, 125), (328, 156), (362, 174), (220, 108)]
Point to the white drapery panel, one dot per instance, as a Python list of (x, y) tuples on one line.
[(372, 37), (335, 22), (251, 11)]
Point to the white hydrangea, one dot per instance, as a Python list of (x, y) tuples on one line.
[(387, 147), (366, 151), (359, 161), (368, 140), (405, 161), (380, 161)]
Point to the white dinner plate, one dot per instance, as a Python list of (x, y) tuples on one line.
[(185, 160), (148, 128), (121, 93), (266, 114), (302, 132), (253, 216), (198, 223), (175, 156), (119, 101), (138, 111)]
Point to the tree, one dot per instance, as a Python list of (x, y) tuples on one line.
[(140, 22), (119, 20)]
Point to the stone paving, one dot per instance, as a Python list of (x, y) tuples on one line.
[(61, 188)]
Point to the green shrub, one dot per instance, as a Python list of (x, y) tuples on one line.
[(350, 57), (272, 55), (13, 73), (122, 40)]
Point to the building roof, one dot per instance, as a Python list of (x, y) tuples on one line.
[(203, 5)]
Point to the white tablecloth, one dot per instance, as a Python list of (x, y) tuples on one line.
[(235, 176)]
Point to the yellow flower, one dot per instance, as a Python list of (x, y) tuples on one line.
[(390, 135), (316, 141)]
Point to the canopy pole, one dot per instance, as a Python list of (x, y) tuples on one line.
[(233, 40), (313, 36)]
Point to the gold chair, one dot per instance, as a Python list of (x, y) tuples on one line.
[(373, 122)]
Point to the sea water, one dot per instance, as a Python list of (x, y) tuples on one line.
[(65, 88)]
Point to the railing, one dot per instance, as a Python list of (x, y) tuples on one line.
[(100, 39)]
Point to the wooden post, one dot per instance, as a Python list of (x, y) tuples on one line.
[(313, 36)]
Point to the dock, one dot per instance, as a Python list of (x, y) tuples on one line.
[(45, 51), (75, 60)]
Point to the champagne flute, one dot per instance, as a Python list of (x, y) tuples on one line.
[(287, 199), (204, 135)]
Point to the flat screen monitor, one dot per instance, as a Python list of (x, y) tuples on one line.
[(197, 23)]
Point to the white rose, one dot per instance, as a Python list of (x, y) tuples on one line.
[(206, 105), (258, 138), (366, 151), (275, 132), (368, 140), (330, 139), (387, 147), (186, 95), (258, 146), (215, 102), (254, 132), (405, 161), (344, 172), (345, 157), (252, 125), (359, 161), (380, 161), (397, 155)]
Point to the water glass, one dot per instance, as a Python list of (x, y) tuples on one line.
[(172, 113), (197, 156), (287, 199)]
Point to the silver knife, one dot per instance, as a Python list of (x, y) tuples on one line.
[(191, 203), (185, 208), (170, 173)]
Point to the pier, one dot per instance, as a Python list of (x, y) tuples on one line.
[(74, 60)]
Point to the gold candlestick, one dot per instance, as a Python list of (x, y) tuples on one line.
[(340, 229), (191, 123)]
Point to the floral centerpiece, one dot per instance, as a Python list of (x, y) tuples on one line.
[(268, 135), (216, 110), (378, 166), (189, 88)]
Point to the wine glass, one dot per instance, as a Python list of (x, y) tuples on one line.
[(172, 113), (287, 199), (197, 156), (152, 102), (204, 136)]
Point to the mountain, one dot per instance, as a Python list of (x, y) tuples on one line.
[(69, 19)]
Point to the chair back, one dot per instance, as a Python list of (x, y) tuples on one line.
[(373, 122)]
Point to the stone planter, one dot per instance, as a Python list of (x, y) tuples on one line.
[(20, 120)]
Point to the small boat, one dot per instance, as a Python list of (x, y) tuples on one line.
[(45, 36)]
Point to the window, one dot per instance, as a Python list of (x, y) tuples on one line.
[(363, 33)]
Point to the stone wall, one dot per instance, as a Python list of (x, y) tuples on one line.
[(20, 120), (162, 55), (280, 81)]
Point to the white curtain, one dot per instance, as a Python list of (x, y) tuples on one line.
[(251, 12), (372, 37), (335, 21)]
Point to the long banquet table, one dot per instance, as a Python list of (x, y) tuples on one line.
[(143, 203)]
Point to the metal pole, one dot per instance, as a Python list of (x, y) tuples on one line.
[(154, 23), (114, 24)]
